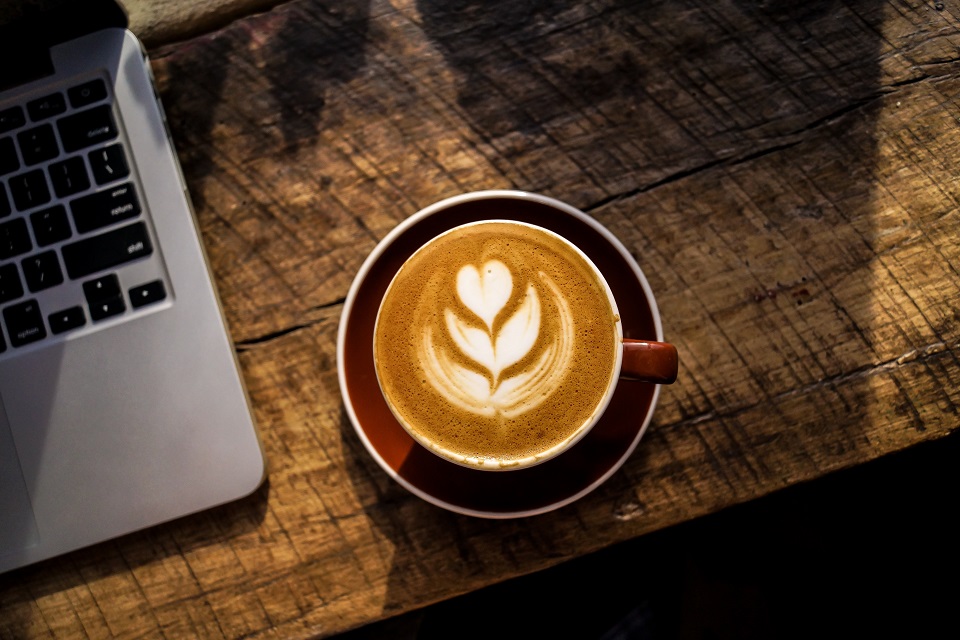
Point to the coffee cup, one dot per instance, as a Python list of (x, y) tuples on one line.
[(498, 343)]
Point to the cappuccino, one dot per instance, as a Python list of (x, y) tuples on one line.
[(497, 343)]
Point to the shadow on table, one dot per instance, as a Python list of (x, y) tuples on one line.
[(863, 553), (181, 538), (311, 50), (648, 113)]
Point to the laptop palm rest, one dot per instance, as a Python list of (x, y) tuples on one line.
[(18, 527)]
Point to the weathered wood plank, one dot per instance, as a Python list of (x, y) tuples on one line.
[(786, 177), (159, 22)]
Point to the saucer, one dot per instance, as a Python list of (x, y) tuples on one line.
[(495, 494)]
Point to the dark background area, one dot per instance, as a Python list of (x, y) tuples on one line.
[(866, 552)]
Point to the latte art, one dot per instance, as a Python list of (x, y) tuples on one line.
[(485, 389), (496, 342)]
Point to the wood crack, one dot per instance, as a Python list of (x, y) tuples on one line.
[(247, 343), (733, 160), (686, 173), (923, 355)]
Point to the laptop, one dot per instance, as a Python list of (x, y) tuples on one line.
[(121, 402)]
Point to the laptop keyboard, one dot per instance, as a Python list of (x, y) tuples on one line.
[(75, 248)]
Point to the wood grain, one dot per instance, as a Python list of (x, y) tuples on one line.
[(785, 177)]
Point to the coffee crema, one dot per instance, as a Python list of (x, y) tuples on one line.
[(497, 343)]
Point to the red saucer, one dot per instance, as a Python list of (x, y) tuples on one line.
[(495, 494)]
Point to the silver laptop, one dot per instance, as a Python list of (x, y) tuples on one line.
[(121, 403)]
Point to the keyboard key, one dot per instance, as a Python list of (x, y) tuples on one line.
[(42, 271), (104, 297), (102, 288), (87, 93), (14, 238), (11, 119), (24, 323), (38, 144), (69, 176), (104, 208), (9, 162), (10, 285), (109, 164), (50, 225), (5, 209), (87, 127), (3, 344), (67, 319), (46, 107), (107, 309), (147, 294), (107, 250), (29, 190)]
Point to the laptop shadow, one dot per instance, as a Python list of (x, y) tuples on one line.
[(167, 547)]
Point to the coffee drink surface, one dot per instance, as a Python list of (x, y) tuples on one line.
[(498, 343)]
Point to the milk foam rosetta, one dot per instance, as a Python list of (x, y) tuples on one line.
[(485, 388), (496, 341)]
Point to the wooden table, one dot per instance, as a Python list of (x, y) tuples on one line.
[(787, 178)]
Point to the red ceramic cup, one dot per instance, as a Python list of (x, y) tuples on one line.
[(474, 392)]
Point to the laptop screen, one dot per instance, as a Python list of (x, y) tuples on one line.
[(28, 30)]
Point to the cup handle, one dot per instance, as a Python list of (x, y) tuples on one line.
[(649, 361)]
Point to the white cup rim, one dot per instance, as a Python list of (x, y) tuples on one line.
[(575, 436)]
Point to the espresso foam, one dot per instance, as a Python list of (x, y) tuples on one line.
[(496, 342)]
